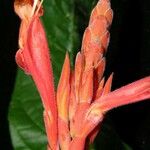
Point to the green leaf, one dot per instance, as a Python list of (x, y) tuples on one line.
[(60, 26), (126, 146), (25, 116)]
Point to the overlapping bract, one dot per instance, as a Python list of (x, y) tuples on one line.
[(86, 82), (73, 117)]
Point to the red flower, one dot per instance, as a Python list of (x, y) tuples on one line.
[(33, 57)]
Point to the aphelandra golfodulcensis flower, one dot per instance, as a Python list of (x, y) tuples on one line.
[(73, 115)]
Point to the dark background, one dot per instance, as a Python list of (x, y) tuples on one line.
[(128, 57), (9, 25)]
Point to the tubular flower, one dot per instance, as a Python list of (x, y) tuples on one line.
[(74, 117), (33, 57)]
